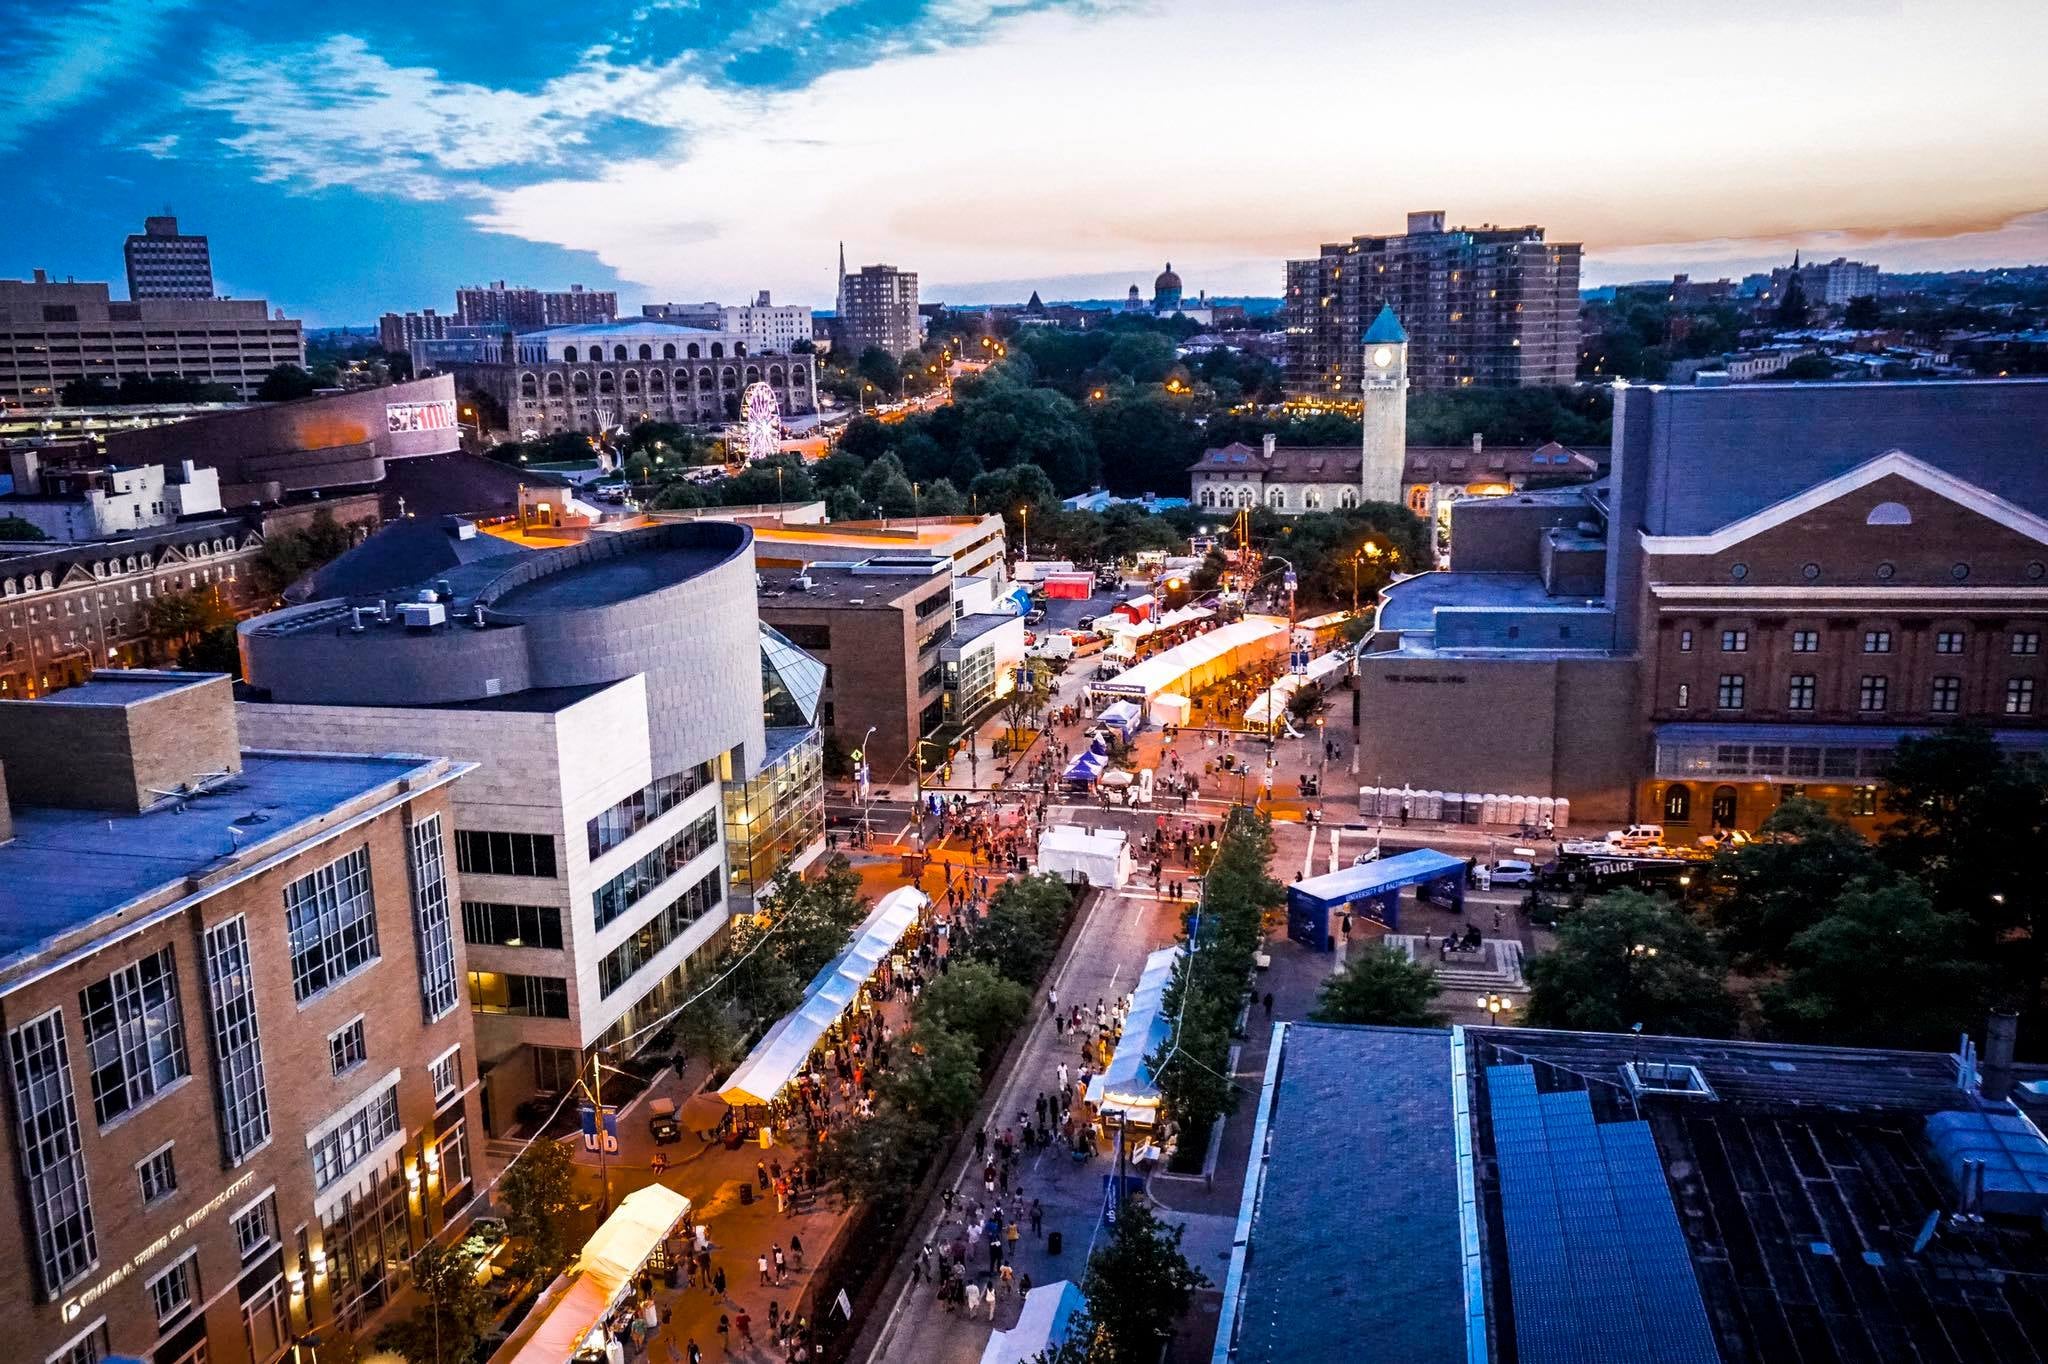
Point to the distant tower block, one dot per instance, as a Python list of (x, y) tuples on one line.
[(1385, 394)]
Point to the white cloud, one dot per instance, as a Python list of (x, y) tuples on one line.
[(71, 56), (159, 147), (1228, 136)]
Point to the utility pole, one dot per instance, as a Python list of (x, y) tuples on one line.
[(604, 1171)]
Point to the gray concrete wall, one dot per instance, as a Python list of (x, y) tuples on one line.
[(1502, 534)]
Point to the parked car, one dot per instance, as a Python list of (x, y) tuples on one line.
[(1512, 872), (1085, 645), (1637, 836), (1034, 617), (661, 1121)]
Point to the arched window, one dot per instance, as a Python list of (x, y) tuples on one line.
[(704, 377), (605, 382), (775, 375), (1724, 807), (718, 350), (668, 351), (657, 382), (753, 374), (682, 379), (568, 355), (1208, 496), (796, 374), (1678, 804), (728, 377), (646, 351), (99, 569), (554, 385), (739, 348), (1276, 498), (632, 381), (10, 588), (692, 352), (1313, 499), (529, 387), (618, 352), (1348, 498), (48, 581), (581, 382), (1889, 514)]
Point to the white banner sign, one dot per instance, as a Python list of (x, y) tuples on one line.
[(435, 416)]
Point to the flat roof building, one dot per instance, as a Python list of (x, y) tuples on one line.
[(241, 1079), (166, 263), (878, 307)]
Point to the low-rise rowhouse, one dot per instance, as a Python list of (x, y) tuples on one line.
[(240, 1076)]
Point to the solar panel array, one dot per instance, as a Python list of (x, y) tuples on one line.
[(1596, 1259)]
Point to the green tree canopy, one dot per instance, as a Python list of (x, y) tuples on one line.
[(975, 1001), (1139, 1285), (17, 528), (1627, 959), (538, 1193), (285, 382), (1781, 884), (1380, 985), (451, 1306), (1026, 919)]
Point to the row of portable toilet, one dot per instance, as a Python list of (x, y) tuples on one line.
[(1453, 807)]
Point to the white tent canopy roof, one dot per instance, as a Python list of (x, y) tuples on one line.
[(1125, 1085), (1275, 697), (1103, 854), (1167, 671), (780, 1054), (578, 1300), (1041, 1325)]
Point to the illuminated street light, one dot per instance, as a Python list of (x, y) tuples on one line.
[(1494, 1005)]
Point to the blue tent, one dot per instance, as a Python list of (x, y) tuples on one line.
[(1087, 767), (1020, 598), (1373, 890)]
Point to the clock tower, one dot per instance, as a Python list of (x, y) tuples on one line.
[(1385, 394)]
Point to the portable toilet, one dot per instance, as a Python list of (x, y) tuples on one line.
[(1453, 808), (1546, 808), (1518, 810), (1369, 802), (1489, 810), (1474, 807), (1564, 813)]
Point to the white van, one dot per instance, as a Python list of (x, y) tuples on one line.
[(1052, 646), (1144, 786)]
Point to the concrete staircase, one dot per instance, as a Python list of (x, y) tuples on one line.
[(1496, 966)]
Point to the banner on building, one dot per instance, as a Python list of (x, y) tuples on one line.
[(438, 415)]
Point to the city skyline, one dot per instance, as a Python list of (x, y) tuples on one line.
[(670, 151)]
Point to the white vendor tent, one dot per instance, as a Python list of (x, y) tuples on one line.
[(578, 1301), (1169, 709), (781, 1053), (1071, 852), (1041, 1326), (1273, 700), (1125, 1086), (1202, 660)]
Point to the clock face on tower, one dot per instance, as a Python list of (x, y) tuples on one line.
[(1383, 357)]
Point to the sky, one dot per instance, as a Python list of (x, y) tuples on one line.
[(349, 160)]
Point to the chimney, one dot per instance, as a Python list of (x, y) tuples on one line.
[(1999, 1034), (1267, 443), (42, 277), (1478, 442)]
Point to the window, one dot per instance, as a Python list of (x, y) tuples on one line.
[(1799, 692), (636, 882), (1948, 642), (496, 925), (1871, 692), (89, 1348), (158, 1173), (1684, 695), (1678, 804), (1947, 696), (2019, 696), (345, 1049), (1877, 641), (1806, 641), (555, 1068), (256, 1227), (1685, 641), (134, 1034), (47, 1149), (2026, 641), (1729, 695), (1863, 800), (351, 1141), (332, 922), (172, 1291), (439, 992), (452, 1148), (644, 806), (497, 992), (1735, 641), (485, 853), (237, 1050), (445, 1072), (618, 965)]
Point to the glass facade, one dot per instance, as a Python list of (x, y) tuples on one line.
[(791, 682), (778, 814)]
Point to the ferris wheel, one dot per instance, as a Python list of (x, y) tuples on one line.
[(761, 418)]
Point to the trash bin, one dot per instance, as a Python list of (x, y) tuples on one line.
[(747, 1194), (1052, 1243), (672, 1274)]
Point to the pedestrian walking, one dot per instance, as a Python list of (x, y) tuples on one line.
[(745, 1324), (724, 1333), (1037, 1218), (718, 1283), (796, 1250), (696, 1352), (1063, 1077), (762, 1261), (781, 1268)]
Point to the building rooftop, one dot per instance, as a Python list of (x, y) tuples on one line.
[(970, 628), (1411, 604), (66, 868), (624, 326), (1423, 463), (115, 687), (866, 583), (415, 550)]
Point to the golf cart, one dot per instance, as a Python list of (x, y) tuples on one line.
[(661, 1121)]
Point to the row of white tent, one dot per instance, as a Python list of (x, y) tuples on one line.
[(1123, 629), (1273, 701), (784, 1049), (1454, 807), (1125, 1085)]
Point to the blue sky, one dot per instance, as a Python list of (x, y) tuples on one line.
[(351, 160)]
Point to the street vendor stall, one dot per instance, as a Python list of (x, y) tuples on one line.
[(1201, 662), (1087, 767), (1125, 1090), (588, 1303), (1102, 857), (1123, 717), (786, 1047), (1273, 701)]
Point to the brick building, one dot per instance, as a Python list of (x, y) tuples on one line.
[(1492, 306), (878, 307), (240, 1080), (524, 309)]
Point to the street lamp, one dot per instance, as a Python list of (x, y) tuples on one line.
[(860, 769), (1494, 1005), (1024, 512)]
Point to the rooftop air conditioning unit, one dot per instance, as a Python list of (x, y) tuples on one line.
[(803, 582), (423, 615)]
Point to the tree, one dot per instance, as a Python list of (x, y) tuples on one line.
[(18, 528), (941, 498), (1026, 699), (939, 1082), (1382, 986), (283, 383), (1626, 959), (453, 1306), (1022, 930), (176, 620), (1138, 1287), (1965, 820), (1781, 884), (879, 1159), (1934, 988), (878, 367), (1863, 314), (289, 555), (975, 1001), (538, 1191)]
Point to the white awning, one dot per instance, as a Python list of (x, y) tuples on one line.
[(1040, 1326), (780, 1054), (1125, 1086), (1187, 668), (1274, 699), (577, 1302), (1069, 852)]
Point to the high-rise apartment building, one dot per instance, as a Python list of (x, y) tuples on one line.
[(878, 307), (166, 263), (522, 309), (1496, 307), (1830, 283), (397, 331), (51, 334), (241, 1081)]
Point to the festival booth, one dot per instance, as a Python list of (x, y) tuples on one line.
[(1018, 600), (1101, 857), (1041, 1327), (1169, 709), (1138, 609), (1068, 586), (783, 1052), (1373, 891), (1124, 717), (1087, 767), (1187, 668), (1125, 1087), (576, 1318), (1273, 701)]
